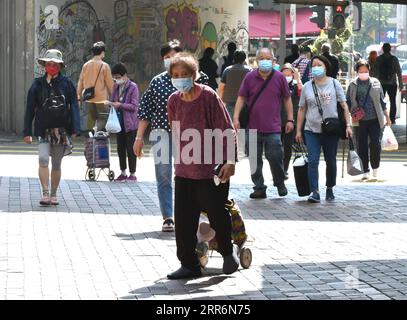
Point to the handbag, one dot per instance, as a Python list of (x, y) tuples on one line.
[(113, 123), (89, 93), (358, 113), (246, 110), (354, 163), (331, 126), (300, 166)]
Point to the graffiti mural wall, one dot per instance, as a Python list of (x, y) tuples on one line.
[(134, 30)]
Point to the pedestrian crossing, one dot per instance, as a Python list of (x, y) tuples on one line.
[(20, 148)]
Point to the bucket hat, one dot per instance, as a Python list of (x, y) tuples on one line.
[(52, 55)]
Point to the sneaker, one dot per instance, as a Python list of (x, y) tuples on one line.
[(121, 178), (375, 173), (184, 273), (168, 225), (231, 262), (282, 191), (366, 176), (54, 201), (132, 179), (329, 195), (314, 197), (258, 194), (45, 200)]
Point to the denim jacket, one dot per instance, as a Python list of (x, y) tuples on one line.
[(35, 101)]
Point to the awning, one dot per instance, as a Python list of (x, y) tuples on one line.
[(266, 24)]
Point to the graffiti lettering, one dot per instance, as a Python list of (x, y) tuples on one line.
[(183, 24), (51, 17)]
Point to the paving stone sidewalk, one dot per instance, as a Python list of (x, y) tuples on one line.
[(104, 242)]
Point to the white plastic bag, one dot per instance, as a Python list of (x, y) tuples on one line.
[(389, 141), (113, 123), (205, 233)]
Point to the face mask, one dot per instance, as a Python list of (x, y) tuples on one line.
[(167, 63), (265, 65), (363, 76), (276, 67), (52, 70), (318, 72), (183, 84), (289, 79), (120, 82)]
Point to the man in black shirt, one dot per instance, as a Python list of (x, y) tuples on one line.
[(326, 49)]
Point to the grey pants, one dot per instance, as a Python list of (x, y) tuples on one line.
[(56, 152)]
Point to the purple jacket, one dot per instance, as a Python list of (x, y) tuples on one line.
[(129, 107)]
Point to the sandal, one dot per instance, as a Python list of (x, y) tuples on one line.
[(45, 200), (54, 201)]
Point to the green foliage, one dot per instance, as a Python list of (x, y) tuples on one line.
[(371, 23)]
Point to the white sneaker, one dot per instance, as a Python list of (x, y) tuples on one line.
[(366, 176), (375, 173)]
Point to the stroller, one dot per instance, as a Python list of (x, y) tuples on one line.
[(97, 154), (239, 237)]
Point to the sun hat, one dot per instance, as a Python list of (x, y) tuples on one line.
[(52, 55)]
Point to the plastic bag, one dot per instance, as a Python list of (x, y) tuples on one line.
[(205, 233), (113, 123), (389, 141), (355, 166)]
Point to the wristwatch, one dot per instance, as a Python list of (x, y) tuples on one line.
[(290, 121)]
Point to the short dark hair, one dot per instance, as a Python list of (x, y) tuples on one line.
[(295, 48), (362, 63), (305, 49), (324, 60), (208, 52), (119, 68), (232, 47), (170, 46), (239, 56), (387, 47), (98, 48)]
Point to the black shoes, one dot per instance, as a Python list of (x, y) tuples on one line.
[(282, 191), (258, 194), (184, 273), (329, 195), (231, 262)]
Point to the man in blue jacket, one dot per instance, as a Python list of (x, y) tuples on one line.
[(53, 105)]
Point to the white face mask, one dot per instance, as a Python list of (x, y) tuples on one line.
[(167, 63), (120, 82), (289, 79)]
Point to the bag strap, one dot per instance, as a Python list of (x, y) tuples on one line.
[(318, 101), (98, 74), (264, 85)]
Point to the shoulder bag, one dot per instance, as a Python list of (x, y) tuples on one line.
[(89, 93)]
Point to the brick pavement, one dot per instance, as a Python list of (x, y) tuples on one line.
[(103, 242)]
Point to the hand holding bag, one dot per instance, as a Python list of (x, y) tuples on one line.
[(355, 166), (89, 93), (113, 123)]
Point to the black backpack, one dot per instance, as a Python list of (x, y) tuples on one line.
[(54, 111), (386, 68)]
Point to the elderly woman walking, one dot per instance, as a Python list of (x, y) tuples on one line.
[(196, 108)]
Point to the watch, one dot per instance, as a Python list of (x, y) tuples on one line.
[(290, 121)]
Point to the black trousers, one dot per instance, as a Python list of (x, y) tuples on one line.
[(191, 198), (288, 140), (392, 92), (369, 129), (125, 142)]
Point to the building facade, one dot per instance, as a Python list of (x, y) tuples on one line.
[(133, 31)]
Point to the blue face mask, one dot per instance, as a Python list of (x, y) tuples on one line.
[(318, 72), (183, 84), (265, 65), (276, 67)]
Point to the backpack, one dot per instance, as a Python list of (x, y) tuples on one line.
[(54, 111), (386, 68)]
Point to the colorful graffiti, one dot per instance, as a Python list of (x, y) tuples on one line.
[(209, 36), (183, 23)]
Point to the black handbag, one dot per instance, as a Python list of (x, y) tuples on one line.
[(331, 126), (300, 167), (89, 93), (246, 110)]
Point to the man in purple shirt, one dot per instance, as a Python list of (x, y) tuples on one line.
[(265, 117)]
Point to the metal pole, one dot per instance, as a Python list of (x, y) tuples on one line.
[(283, 43), (293, 11)]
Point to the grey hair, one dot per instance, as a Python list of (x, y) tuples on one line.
[(268, 50)]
